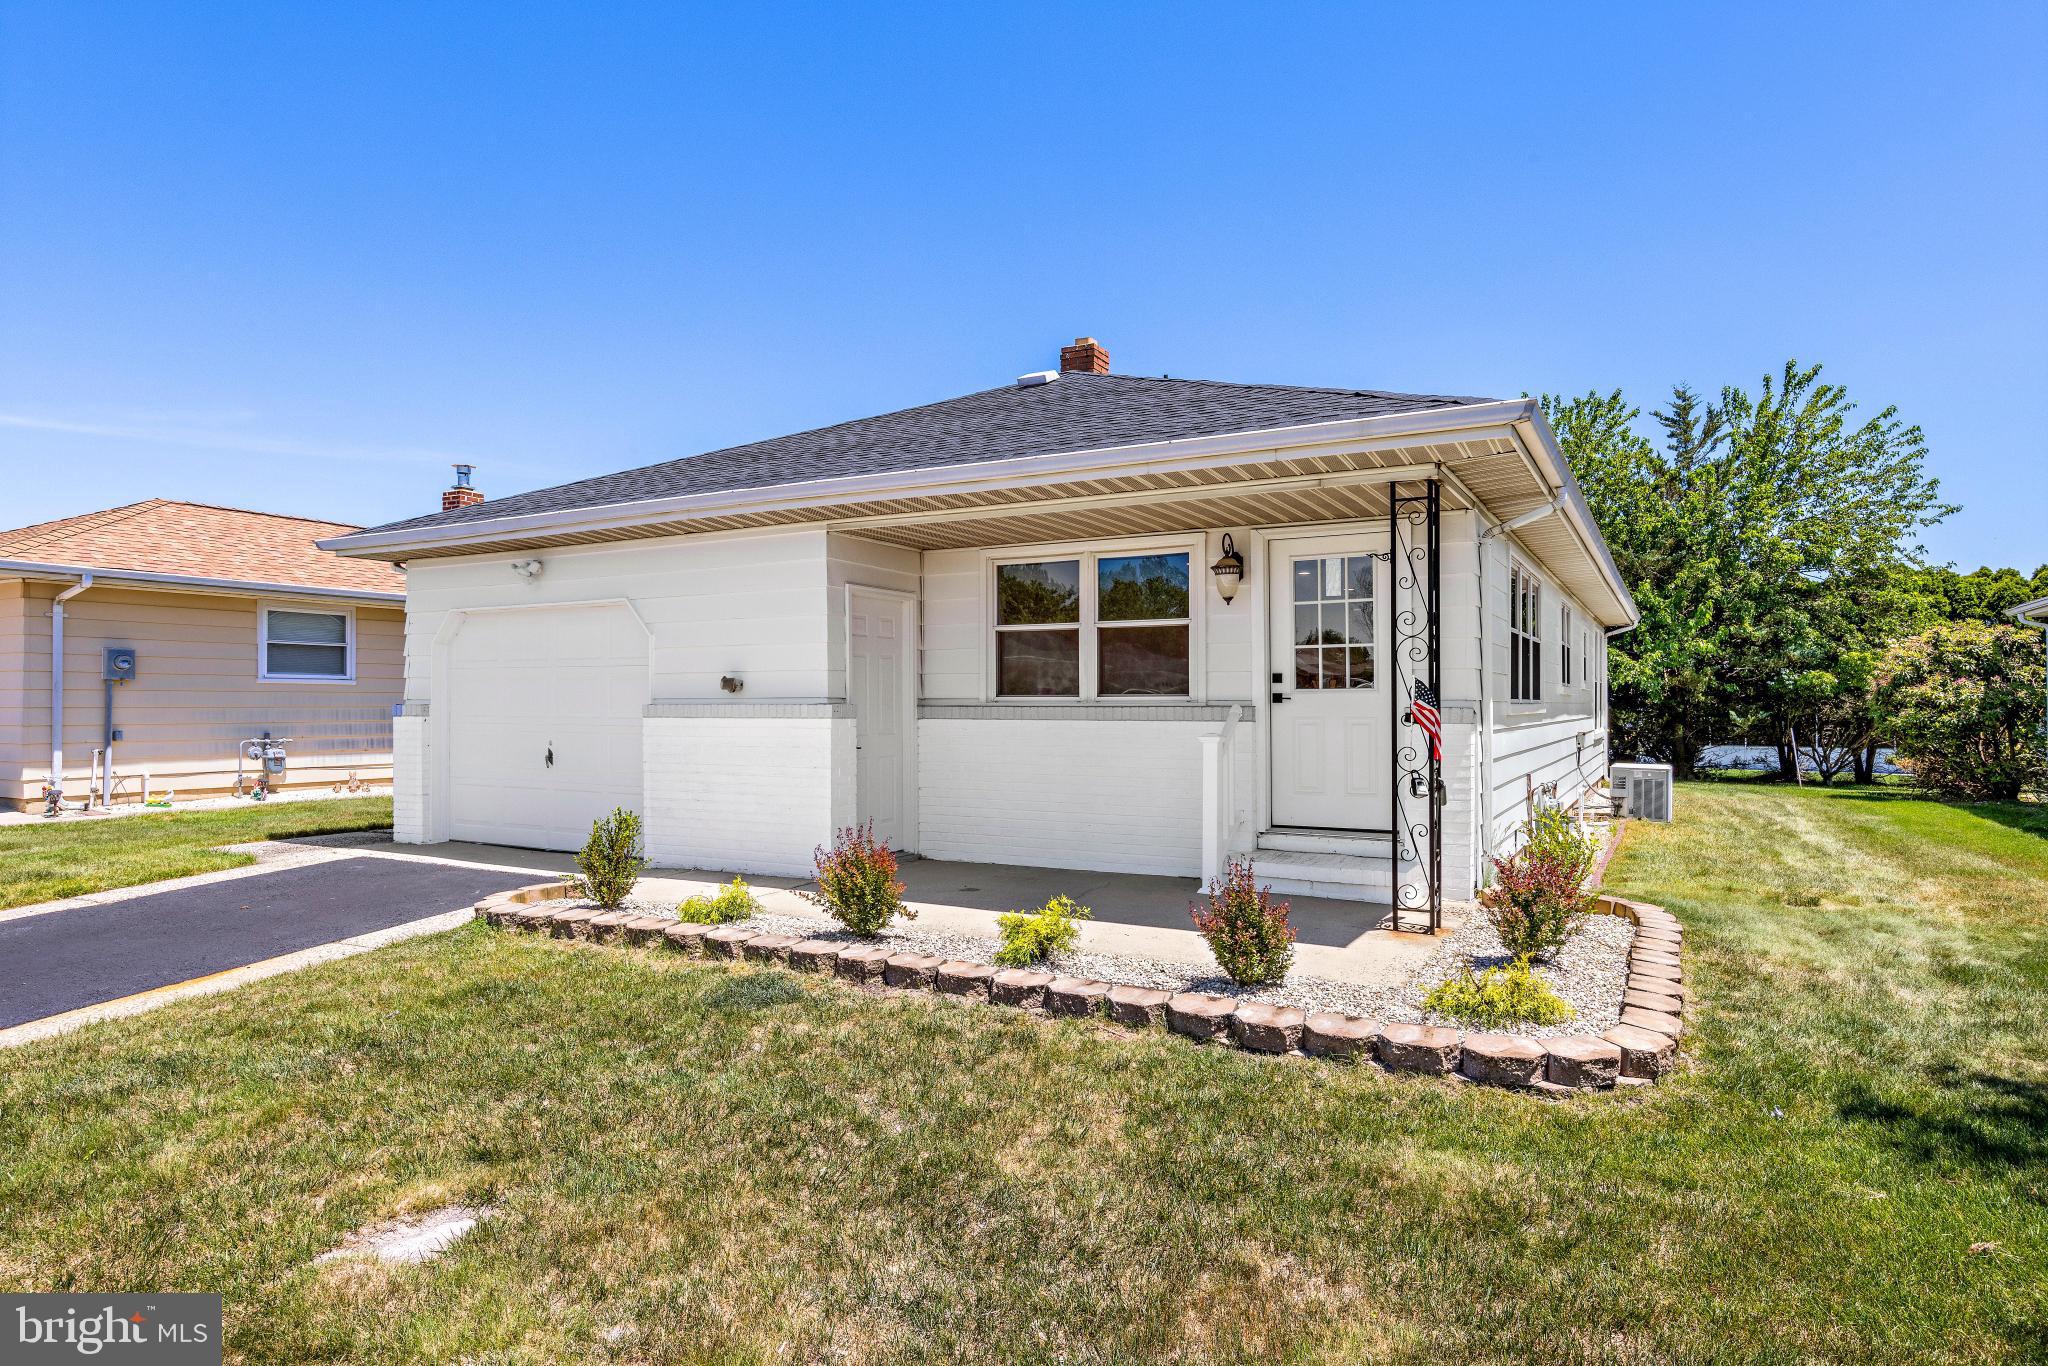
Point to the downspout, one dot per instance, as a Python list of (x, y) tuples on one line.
[(56, 783)]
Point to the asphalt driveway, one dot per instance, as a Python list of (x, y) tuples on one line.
[(89, 954)]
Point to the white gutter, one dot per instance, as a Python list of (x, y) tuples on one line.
[(1478, 421), (197, 583), (57, 682)]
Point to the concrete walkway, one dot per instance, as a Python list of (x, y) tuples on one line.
[(1136, 915)]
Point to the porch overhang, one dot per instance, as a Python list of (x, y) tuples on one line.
[(1499, 458)]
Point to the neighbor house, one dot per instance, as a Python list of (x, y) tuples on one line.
[(150, 642), (1078, 620)]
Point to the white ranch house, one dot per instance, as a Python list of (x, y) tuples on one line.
[(1008, 628)]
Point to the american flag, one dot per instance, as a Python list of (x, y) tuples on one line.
[(1422, 711)]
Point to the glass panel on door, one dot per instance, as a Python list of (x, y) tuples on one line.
[(1333, 622)]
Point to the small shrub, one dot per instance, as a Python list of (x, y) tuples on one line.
[(611, 859), (1536, 901), (857, 882), (1038, 936), (1551, 834), (1499, 996), (735, 901), (1247, 930)]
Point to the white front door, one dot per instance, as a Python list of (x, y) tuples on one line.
[(879, 673), (1328, 608), (544, 709)]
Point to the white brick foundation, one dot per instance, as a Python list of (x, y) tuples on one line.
[(753, 794)]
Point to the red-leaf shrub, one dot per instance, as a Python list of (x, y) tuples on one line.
[(1535, 902), (857, 881), (1247, 930)]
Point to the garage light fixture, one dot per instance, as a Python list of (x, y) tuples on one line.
[(527, 569)]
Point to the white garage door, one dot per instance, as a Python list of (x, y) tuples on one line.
[(544, 714)]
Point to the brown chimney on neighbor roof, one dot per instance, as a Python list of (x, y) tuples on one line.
[(461, 494), (1086, 356)]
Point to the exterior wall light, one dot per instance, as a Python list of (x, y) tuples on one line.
[(527, 569), (1228, 569)]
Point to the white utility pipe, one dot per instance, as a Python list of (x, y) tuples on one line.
[(1535, 514), (57, 682)]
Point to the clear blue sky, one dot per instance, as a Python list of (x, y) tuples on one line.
[(300, 258)]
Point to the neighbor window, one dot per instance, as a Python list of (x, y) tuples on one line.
[(1093, 625), (307, 644), (1525, 637)]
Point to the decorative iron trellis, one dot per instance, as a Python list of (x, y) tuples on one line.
[(1413, 524)]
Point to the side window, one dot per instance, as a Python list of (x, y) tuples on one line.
[(307, 645), (1525, 637)]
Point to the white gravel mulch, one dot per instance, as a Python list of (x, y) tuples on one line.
[(1588, 972)]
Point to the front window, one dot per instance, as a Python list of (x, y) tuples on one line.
[(306, 644), (1038, 629), (1093, 625), (1525, 637)]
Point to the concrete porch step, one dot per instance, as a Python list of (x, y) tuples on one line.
[(1341, 877), (1326, 842)]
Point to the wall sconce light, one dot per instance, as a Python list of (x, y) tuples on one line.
[(527, 569), (730, 684), (1228, 569)]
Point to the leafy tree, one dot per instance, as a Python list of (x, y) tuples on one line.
[(1963, 705), (1771, 545), (1984, 594)]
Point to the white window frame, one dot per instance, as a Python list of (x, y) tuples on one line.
[(1523, 583), (1565, 622), (265, 606), (1089, 553)]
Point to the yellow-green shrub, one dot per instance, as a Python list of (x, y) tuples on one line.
[(1036, 936), (735, 901), (1499, 996)]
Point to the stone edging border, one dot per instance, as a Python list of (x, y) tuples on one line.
[(1637, 1051)]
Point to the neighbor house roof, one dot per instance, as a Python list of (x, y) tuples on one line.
[(197, 541), (1075, 412)]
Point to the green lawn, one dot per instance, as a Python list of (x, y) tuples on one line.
[(68, 856), (712, 1163)]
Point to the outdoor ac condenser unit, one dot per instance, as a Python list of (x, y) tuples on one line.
[(1641, 790)]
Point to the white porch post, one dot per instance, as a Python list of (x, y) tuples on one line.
[(1215, 805), (1218, 783)]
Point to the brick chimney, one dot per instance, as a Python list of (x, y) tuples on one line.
[(1086, 356), (460, 494)]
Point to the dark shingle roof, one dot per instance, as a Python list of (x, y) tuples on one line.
[(1076, 412)]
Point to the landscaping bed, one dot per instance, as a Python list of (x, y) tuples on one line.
[(1640, 1046), (1590, 973)]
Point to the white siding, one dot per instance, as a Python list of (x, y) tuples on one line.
[(1535, 743), (751, 606), (850, 560), (956, 628)]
